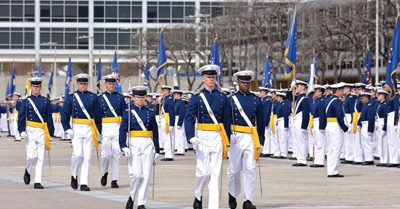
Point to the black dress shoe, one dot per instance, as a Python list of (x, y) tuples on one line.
[(316, 166), (281, 157), (85, 188), (167, 159), (114, 184), (248, 205), (197, 204), (336, 176), (347, 162), (129, 204), (103, 180), (299, 165), (179, 154), (368, 163), (356, 163), (232, 202), (265, 155), (38, 186), (391, 165), (27, 177), (377, 158), (141, 207), (292, 158), (74, 182), (381, 165), (310, 159)]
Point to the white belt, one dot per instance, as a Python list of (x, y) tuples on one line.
[(279, 119), (364, 122), (315, 119), (300, 114)]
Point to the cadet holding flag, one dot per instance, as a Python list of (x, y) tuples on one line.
[(248, 127), (109, 109), (211, 110), (142, 149), (35, 125), (80, 106)]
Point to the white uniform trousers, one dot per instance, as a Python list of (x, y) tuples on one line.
[(335, 135), (311, 142), (358, 150), (274, 143), (267, 142), (180, 137), (377, 146), (300, 140), (35, 151), (82, 151), (140, 165), (16, 133), (381, 136), (392, 139), (367, 143), (169, 140), (290, 137), (12, 125), (241, 158), (282, 138), (208, 167), (110, 150), (349, 140), (161, 137), (4, 122), (319, 141)]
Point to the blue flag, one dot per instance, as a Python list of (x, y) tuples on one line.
[(314, 67), (50, 86), (366, 75), (394, 59), (10, 85), (115, 70), (162, 58), (146, 76), (291, 46), (68, 78), (216, 61), (98, 83), (40, 70), (267, 81)]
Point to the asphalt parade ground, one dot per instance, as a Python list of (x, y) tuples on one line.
[(283, 186)]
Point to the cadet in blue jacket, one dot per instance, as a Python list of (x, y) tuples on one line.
[(348, 105), (318, 133), (357, 145), (392, 136), (110, 107), (335, 129), (142, 149), (35, 125), (381, 127), (367, 124), (211, 110), (248, 126), (283, 110), (168, 122), (180, 110), (267, 105), (80, 106)]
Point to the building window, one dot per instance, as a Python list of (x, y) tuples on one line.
[(17, 10), (64, 11), (66, 38), (17, 38), (168, 12)]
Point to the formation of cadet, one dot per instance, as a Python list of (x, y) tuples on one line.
[(342, 123)]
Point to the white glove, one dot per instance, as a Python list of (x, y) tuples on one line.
[(127, 151), (100, 138), (195, 142), (370, 134), (155, 158), (70, 133), (23, 135), (293, 84)]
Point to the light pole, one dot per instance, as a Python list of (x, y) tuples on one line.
[(51, 44), (377, 42), (90, 39)]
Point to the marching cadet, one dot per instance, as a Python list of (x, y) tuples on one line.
[(248, 126), (381, 127), (80, 105), (267, 104), (334, 129), (142, 149), (319, 124), (348, 105), (367, 124), (16, 105), (167, 124), (35, 125), (180, 109), (275, 152), (301, 115), (110, 106), (211, 110), (56, 108), (357, 145), (283, 110), (392, 137)]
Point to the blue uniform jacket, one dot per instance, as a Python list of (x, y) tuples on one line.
[(368, 113), (335, 110), (283, 110), (103, 111), (348, 104), (253, 107), (28, 113), (304, 107), (381, 112), (318, 111), (267, 106), (55, 108), (169, 108), (152, 108), (180, 110), (72, 109), (149, 121), (197, 110)]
